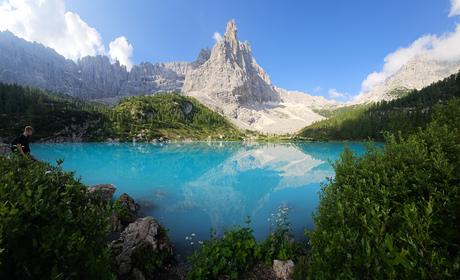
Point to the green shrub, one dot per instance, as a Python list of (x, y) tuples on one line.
[(393, 213), (231, 254), (48, 228), (237, 251), (280, 244), (120, 209)]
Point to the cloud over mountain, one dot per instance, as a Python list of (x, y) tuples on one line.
[(444, 47), (48, 23)]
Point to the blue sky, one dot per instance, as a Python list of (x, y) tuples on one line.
[(332, 48)]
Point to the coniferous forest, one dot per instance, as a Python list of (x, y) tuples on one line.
[(406, 114), (59, 117)]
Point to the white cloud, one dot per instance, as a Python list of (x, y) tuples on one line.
[(316, 89), (395, 60), (445, 47), (217, 36), (47, 22), (455, 10), (120, 50), (334, 94)]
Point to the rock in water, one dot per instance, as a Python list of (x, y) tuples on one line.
[(105, 191)]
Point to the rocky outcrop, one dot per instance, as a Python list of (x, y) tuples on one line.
[(140, 248), (130, 207), (204, 56), (102, 191), (126, 212), (419, 72)]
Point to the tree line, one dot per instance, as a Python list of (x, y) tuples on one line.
[(406, 114), (168, 115)]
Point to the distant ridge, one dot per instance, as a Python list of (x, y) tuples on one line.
[(91, 77), (419, 72)]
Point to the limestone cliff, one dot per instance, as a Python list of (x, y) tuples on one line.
[(232, 82), (231, 75)]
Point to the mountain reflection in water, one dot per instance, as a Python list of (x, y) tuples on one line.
[(191, 187)]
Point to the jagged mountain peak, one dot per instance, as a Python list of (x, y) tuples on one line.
[(204, 55), (231, 31)]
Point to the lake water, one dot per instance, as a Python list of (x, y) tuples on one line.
[(192, 187)]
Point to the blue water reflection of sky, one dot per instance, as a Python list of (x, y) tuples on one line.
[(192, 187)]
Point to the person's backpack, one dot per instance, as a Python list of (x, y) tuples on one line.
[(13, 144)]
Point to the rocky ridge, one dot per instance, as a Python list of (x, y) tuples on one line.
[(420, 71), (91, 77)]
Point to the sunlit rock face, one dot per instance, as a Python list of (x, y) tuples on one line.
[(231, 75), (231, 82)]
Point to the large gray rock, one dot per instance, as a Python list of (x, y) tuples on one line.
[(141, 241), (131, 208), (104, 191)]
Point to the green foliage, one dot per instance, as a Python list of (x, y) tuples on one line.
[(237, 250), (50, 114), (150, 260), (406, 114), (169, 116), (280, 244), (49, 229), (393, 213), (120, 209), (229, 255), (337, 111), (57, 116)]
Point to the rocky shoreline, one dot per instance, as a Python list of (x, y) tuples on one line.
[(137, 241)]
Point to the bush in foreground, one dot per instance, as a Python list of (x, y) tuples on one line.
[(237, 250), (394, 213), (48, 227)]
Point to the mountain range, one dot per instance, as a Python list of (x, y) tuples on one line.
[(227, 79)]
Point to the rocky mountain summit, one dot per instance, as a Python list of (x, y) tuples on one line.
[(232, 82), (419, 72)]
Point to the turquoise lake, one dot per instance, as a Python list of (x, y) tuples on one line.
[(192, 187)]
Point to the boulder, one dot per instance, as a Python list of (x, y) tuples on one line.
[(142, 248), (131, 208), (5, 148), (115, 225), (105, 191), (283, 269)]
